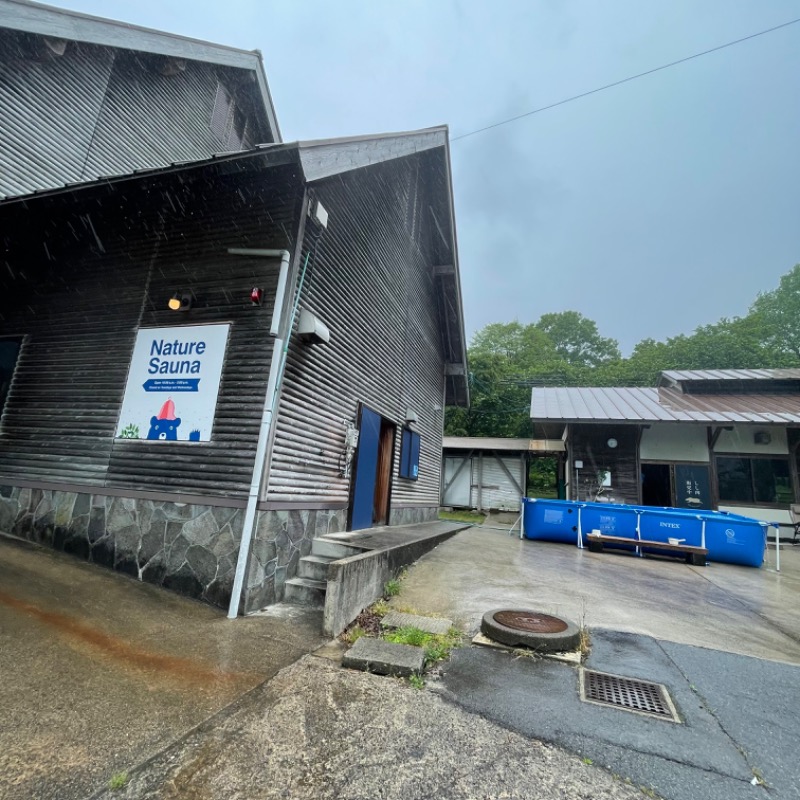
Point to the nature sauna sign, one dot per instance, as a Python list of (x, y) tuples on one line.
[(173, 383)]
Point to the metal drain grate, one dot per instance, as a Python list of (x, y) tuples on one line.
[(630, 694)]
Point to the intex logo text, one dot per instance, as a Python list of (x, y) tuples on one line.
[(669, 524)]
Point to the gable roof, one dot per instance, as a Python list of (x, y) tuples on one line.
[(82, 96), (677, 376), (662, 404), (59, 23), (326, 158)]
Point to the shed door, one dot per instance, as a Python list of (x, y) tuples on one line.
[(456, 484)]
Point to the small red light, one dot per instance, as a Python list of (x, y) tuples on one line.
[(255, 296)]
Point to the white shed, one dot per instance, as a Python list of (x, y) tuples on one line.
[(488, 473)]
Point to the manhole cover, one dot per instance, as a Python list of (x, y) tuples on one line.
[(630, 694), (530, 621), (529, 628)]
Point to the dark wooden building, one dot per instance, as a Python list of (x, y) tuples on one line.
[(718, 439), (83, 97), (203, 366)]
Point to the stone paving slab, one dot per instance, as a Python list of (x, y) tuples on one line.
[(385, 658), (397, 619), (568, 656)]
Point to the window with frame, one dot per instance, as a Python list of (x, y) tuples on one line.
[(766, 481), (409, 454)]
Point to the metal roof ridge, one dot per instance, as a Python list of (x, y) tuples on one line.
[(366, 137), (255, 53)]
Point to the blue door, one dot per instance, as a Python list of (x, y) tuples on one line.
[(366, 469)]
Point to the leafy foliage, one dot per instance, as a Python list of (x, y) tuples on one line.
[(566, 349), (576, 339), (779, 312)]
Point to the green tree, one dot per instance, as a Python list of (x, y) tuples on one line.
[(577, 340), (779, 315), (505, 359)]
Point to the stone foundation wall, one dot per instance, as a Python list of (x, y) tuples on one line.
[(281, 538), (190, 549)]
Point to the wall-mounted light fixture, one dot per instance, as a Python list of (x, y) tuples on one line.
[(311, 329), (256, 296), (180, 302), (612, 443)]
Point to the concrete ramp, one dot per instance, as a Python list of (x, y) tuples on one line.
[(356, 581)]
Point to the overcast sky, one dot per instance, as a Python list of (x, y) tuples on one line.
[(652, 208)]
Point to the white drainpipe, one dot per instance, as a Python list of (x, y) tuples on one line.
[(267, 415)]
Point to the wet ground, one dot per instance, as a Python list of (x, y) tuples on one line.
[(724, 639), (99, 671), (101, 674), (318, 732), (738, 719), (754, 612)]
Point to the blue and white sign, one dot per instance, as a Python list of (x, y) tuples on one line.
[(173, 383)]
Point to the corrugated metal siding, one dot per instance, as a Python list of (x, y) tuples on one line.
[(91, 269), (98, 111), (459, 477), (47, 110), (149, 120), (497, 491), (372, 284)]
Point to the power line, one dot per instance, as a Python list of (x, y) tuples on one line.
[(624, 80)]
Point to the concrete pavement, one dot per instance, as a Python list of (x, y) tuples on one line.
[(753, 612), (99, 672), (725, 640), (318, 732)]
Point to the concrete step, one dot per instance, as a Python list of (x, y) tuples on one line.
[(333, 550), (314, 567), (385, 658), (305, 592), (397, 619)]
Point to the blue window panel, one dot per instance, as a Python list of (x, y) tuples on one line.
[(409, 455)]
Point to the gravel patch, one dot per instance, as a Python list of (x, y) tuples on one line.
[(319, 732)]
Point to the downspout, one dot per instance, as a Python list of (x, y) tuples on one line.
[(267, 415)]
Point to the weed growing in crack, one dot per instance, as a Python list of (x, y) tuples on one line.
[(118, 781), (416, 682)]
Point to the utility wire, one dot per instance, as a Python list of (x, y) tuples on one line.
[(624, 80)]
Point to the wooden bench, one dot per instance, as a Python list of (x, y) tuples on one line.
[(693, 555)]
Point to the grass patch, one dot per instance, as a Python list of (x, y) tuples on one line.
[(353, 634), (474, 517), (392, 588), (437, 647), (585, 642), (118, 781), (416, 682), (381, 608)]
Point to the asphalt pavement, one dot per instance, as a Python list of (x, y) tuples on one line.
[(738, 714)]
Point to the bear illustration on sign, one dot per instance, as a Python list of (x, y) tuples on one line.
[(164, 427)]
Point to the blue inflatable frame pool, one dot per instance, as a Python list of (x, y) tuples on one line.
[(729, 538)]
